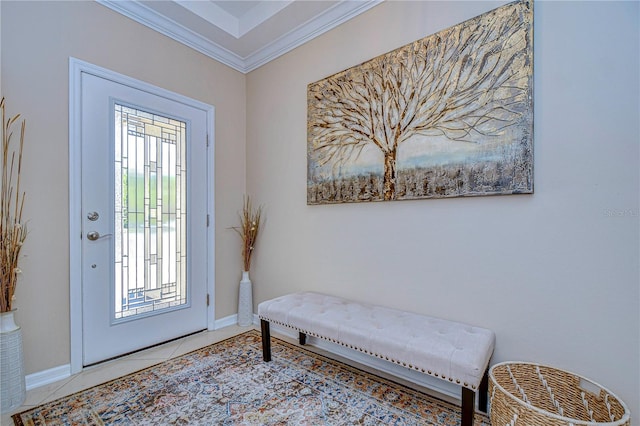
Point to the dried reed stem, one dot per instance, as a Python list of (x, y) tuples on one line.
[(12, 231), (248, 230)]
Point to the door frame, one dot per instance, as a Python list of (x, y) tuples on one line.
[(76, 69)]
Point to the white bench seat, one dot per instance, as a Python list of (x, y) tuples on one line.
[(448, 350)]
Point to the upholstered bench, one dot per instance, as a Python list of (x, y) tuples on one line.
[(451, 351)]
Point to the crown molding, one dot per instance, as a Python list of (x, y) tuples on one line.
[(237, 27), (213, 14), (329, 19), (146, 16), (326, 21)]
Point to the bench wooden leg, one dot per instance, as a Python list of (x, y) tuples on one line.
[(468, 406), (483, 392), (266, 340), (302, 338), (469, 397)]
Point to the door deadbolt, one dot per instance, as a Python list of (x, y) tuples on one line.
[(93, 216)]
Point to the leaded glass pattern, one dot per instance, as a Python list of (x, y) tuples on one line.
[(150, 213)]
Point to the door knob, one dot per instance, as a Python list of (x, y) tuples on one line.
[(95, 235)]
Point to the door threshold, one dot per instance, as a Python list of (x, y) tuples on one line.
[(117, 357)]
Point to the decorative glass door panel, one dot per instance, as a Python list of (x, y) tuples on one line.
[(144, 218), (150, 213)]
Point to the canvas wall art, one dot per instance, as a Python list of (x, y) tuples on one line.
[(448, 115)]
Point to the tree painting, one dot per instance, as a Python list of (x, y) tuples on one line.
[(448, 115)]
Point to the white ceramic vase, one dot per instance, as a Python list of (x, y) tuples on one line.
[(12, 385), (245, 301)]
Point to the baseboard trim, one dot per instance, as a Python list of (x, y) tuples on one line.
[(226, 321), (45, 377), (448, 390), (42, 378)]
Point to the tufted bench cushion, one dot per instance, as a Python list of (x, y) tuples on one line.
[(451, 351)]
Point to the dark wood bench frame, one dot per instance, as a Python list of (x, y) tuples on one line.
[(468, 395)]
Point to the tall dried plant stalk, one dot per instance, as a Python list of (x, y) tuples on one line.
[(12, 231), (248, 230)]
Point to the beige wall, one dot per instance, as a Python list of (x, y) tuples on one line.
[(555, 274), (37, 40)]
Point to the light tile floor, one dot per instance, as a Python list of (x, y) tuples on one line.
[(106, 371)]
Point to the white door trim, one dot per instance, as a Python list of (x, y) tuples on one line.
[(76, 68)]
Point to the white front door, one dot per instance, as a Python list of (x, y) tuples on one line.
[(144, 215)]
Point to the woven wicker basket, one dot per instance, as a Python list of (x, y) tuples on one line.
[(534, 395)]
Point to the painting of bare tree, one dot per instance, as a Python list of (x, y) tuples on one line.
[(448, 115)]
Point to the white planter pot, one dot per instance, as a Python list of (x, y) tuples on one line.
[(12, 385), (245, 301)]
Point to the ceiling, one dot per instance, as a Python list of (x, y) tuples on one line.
[(243, 34)]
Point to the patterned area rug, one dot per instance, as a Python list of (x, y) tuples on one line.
[(228, 384)]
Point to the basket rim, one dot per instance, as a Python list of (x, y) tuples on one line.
[(625, 418)]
